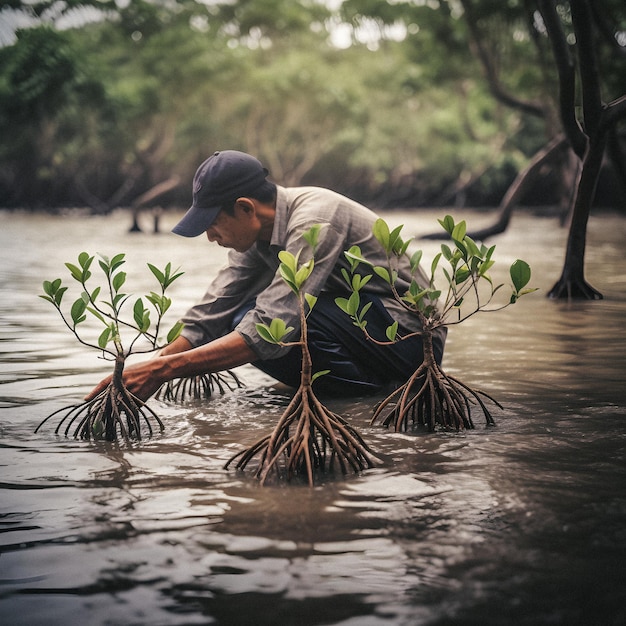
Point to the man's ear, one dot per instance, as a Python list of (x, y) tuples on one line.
[(246, 206)]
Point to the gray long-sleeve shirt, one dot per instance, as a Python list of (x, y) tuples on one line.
[(253, 274)]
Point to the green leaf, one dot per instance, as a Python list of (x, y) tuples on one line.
[(58, 296), (104, 337), (303, 273), (404, 247), (84, 260), (520, 274), (360, 281), (392, 331), (447, 223), (158, 274), (118, 300), (76, 272), (395, 241), (462, 274), (471, 246), (265, 333), (355, 257), (275, 332), (380, 230), (118, 280), (116, 261), (279, 329), (459, 231), (138, 312), (287, 272), (175, 331), (166, 303), (354, 302), (346, 276), (364, 310), (48, 288), (155, 299), (97, 314), (342, 303), (416, 260), (311, 235), (463, 250), (95, 293), (383, 273), (78, 311), (289, 260), (485, 267), (318, 374), (433, 265), (310, 300), (523, 292)]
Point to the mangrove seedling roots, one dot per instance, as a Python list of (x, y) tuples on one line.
[(308, 438), (114, 413), (200, 387), (433, 399)]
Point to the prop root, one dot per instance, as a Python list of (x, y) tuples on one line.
[(307, 438), (200, 387)]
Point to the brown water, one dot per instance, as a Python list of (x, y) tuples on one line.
[(524, 523)]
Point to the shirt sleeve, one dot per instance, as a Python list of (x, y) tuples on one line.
[(239, 282)]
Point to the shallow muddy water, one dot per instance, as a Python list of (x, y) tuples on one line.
[(524, 523)]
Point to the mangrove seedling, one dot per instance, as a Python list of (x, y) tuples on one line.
[(200, 387), (115, 412), (431, 397), (308, 437)]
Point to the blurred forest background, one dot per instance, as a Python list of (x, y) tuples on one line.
[(114, 103)]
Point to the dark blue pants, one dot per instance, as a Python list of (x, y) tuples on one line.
[(357, 365)]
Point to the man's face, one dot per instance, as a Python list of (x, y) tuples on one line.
[(238, 231)]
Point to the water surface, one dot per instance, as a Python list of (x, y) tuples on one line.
[(524, 523)]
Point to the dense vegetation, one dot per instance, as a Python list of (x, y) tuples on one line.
[(412, 103)]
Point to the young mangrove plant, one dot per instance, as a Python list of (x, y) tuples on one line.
[(308, 437), (200, 387), (115, 412), (431, 397)]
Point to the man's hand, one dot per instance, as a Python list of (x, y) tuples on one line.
[(179, 360), (141, 379)]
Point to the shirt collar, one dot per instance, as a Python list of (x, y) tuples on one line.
[(279, 231)]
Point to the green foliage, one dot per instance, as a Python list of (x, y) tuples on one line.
[(116, 106), (275, 332), (108, 309), (460, 272), (307, 438), (295, 275)]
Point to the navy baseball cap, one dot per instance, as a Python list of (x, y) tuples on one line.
[(223, 177)]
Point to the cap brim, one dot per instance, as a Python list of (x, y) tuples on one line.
[(196, 221)]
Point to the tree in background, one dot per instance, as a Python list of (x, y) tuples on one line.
[(178, 80), (513, 44), (588, 118)]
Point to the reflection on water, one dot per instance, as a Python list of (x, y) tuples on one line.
[(523, 523)]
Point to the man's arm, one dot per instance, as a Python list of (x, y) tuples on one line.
[(180, 344), (179, 360)]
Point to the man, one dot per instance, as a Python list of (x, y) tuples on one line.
[(237, 207)]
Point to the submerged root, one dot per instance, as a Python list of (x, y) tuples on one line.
[(308, 438), (200, 387), (431, 398), (114, 413)]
